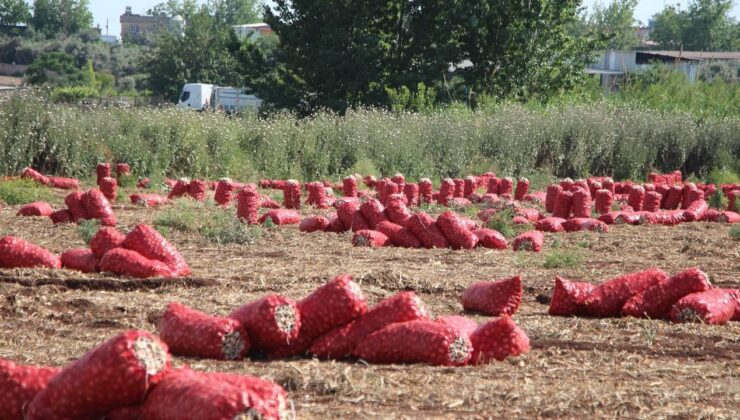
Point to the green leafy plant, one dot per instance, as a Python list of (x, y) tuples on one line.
[(23, 191), (562, 259), (87, 229)]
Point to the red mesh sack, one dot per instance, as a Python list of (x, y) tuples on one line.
[(316, 195), (62, 216), (531, 215), (17, 253), (628, 218), (98, 207), (370, 181), (522, 188), (673, 200), (109, 188), (470, 185), (248, 205), (463, 324), (594, 186), (604, 201), (349, 186), (197, 189), (224, 193), (668, 217), (580, 184), (493, 184), (636, 197), (714, 306), (506, 186), (446, 191), (281, 217), (64, 183), (359, 222), (373, 212), (37, 208), (399, 235), (411, 191), (19, 385), (30, 173), (271, 321), (550, 224), (581, 204), (145, 240), (370, 238), (293, 189), (497, 340), (562, 205), (501, 297), (332, 305), (75, 202), (695, 211), (148, 199), (520, 220), (425, 190), (733, 201), (586, 223), (686, 195), (459, 188), (192, 333), (656, 301), (455, 230), (125, 262), (423, 227), (397, 212), (102, 171), (529, 241), (711, 215), (117, 373), (552, 193), (419, 341), (313, 224), (652, 201), (728, 217), (80, 259), (341, 342), (568, 297), (143, 183), (268, 203), (608, 298), (122, 169), (180, 188), (608, 184), (398, 179), (489, 238)]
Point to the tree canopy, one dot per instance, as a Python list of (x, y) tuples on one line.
[(13, 12), (706, 25), (54, 17)]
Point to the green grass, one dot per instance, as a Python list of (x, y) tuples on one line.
[(502, 222), (210, 222), (22, 191), (735, 232), (562, 259), (88, 229)]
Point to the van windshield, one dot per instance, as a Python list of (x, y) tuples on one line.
[(185, 95)]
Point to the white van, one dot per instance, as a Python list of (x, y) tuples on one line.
[(201, 96)]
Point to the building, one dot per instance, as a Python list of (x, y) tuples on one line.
[(252, 30), (612, 65), (109, 39), (133, 25)]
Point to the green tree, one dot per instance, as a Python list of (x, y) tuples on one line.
[(706, 25), (617, 20), (55, 68), (54, 17), (204, 53), (234, 12), (184, 8), (13, 12)]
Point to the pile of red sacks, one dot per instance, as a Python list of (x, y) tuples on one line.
[(687, 296), (142, 253), (84, 206), (51, 181), (335, 322), (130, 376)]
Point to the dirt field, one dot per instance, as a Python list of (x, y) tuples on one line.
[(578, 368)]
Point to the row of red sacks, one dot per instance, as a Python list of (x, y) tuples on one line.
[(130, 377), (335, 322), (142, 253), (687, 296)]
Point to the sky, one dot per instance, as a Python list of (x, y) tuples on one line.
[(111, 10)]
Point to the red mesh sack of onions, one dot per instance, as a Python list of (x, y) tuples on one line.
[(425, 190), (145, 240), (608, 298), (411, 191), (64, 183), (349, 186), (529, 241), (552, 193), (568, 297), (248, 204), (399, 235), (501, 297), (497, 340), (581, 204), (419, 341), (341, 342), (313, 224), (636, 197), (604, 199), (17, 253), (397, 212), (98, 207), (76, 205), (37, 208), (673, 200), (102, 171), (470, 185), (109, 188), (224, 193), (19, 385), (192, 333), (115, 374), (728, 217), (695, 211), (446, 191), (456, 231), (652, 201), (281, 217), (522, 188), (656, 301), (585, 223), (563, 205), (714, 306), (550, 224), (492, 186), (62, 216), (271, 321), (370, 238), (423, 226), (148, 199), (489, 238), (179, 189), (80, 259), (373, 212)]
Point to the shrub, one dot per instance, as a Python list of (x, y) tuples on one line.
[(22, 191), (562, 259), (211, 222)]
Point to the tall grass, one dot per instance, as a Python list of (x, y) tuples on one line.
[(600, 138)]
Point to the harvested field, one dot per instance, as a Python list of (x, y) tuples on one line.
[(579, 368)]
